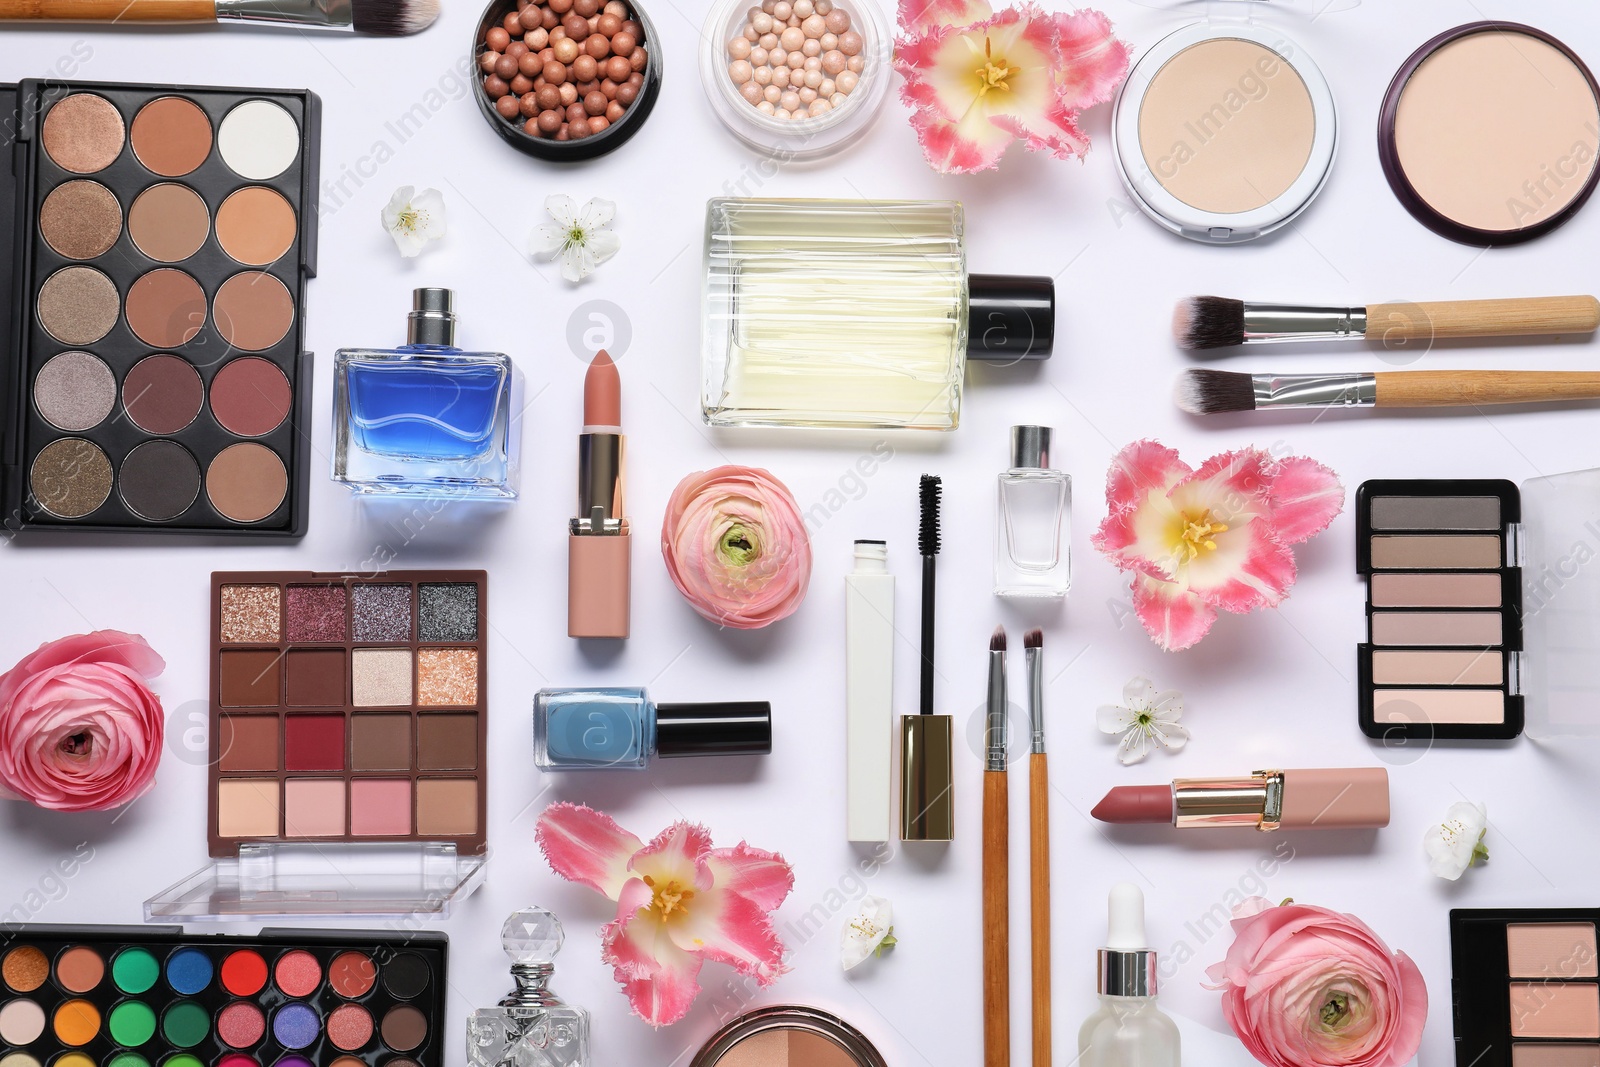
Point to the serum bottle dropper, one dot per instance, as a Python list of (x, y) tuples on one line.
[(1127, 1030)]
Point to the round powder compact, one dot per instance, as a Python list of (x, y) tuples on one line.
[(788, 1034), (1489, 133), (1224, 132)]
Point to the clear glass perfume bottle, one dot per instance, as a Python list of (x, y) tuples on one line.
[(531, 1027), (1033, 543), (853, 313), (1128, 1029), (427, 419)]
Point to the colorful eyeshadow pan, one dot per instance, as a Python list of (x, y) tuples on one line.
[(80, 969), (353, 974), (76, 1022), (25, 969), (1526, 986), (241, 1024), (297, 973), (244, 973), (164, 241), (132, 1023), (189, 971), (21, 1022)]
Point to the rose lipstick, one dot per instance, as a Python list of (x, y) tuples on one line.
[(599, 545), (1354, 798)]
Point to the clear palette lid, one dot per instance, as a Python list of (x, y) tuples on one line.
[(1560, 539)]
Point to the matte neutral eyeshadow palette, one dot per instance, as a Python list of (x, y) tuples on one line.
[(155, 376), (110, 996), (348, 708), (1444, 600), (1526, 986)]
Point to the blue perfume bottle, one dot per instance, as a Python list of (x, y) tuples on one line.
[(620, 728), (427, 419)]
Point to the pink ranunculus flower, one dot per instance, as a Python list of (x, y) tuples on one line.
[(79, 729), (1303, 986), (680, 902), (1217, 538), (975, 80), (736, 546)]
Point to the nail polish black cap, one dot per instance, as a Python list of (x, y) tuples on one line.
[(1010, 317), (723, 728)]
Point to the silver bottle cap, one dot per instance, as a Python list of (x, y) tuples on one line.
[(1030, 446), (433, 318), (1127, 972)]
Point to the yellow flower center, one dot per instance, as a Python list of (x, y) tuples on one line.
[(1199, 534), (668, 897), (994, 72), (411, 219)]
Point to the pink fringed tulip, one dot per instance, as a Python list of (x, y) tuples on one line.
[(680, 902), (1303, 986), (1217, 538), (975, 80), (736, 546), (79, 729)]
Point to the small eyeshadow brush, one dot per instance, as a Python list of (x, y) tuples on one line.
[(996, 867), (1215, 392), (1038, 848), (379, 18)]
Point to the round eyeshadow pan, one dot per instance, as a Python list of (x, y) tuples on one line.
[(21, 1022), (78, 305), (292, 1060), (83, 133), (159, 480), (246, 482), (80, 969), (70, 477), (18, 1059), (295, 1026), (404, 1028), (135, 970), (239, 1059), (405, 976), (189, 971), (241, 1024), (244, 974), (185, 1024), (162, 394), (297, 973), (181, 1059), (25, 969), (253, 311), (171, 136), (350, 1061), (76, 1023), (350, 1027), (125, 1059), (80, 219), (258, 140), (74, 390), (132, 1023), (73, 1059), (352, 974), (169, 222), (250, 396), (166, 308), (256, 225)]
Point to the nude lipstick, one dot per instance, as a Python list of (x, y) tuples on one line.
[(599, 545), (1354, 798)]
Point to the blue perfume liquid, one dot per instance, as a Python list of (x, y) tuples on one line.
[(432, 407)]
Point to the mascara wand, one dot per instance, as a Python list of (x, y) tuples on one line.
[(927, 807)]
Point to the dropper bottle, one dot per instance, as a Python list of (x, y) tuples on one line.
[(1127, 1030)]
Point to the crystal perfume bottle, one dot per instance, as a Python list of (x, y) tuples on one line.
[(531, 1027), (427, 419), (1033, 537), (853, 313)]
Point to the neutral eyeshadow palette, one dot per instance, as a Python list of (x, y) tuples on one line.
[(1526, 985), (1444, 606), (109, 996), (155, 377), (348, 708)]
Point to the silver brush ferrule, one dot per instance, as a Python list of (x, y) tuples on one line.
[(996, 728), (1036, 699), (327, 14), (1266, 323), (1315, 390)]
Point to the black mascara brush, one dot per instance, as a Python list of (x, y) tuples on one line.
[(927, 808)]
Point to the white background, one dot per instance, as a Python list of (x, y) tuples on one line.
[(1270, 690)]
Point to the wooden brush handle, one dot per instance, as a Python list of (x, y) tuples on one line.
[(1039, 902), (1468, 388), (1483, 318), (996, 923), (108, 10)]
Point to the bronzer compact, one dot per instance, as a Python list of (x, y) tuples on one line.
[(1483, 607), (1525, 986), (348, 746), (154, 376), (1225, 129)]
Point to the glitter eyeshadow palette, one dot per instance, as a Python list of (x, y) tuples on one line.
[(154, 296), (348, 708), (110, 996)]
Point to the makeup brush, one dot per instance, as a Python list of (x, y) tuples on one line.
[(996, 868), (1038, 849), (380, 18), (927, 807), (1212, 392), (1202, 322)]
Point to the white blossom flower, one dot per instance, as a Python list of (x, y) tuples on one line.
[(869, 933), (1145, 718), (580, 238), (413, 219), (1457, 843)]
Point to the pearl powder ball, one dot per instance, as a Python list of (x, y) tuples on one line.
[(772, 92), (811, 49), (757, 56), (762, 76), (766, 108), (739, 48), (792, 38), (846, 81), (782, 10), (795, 59), (803, 9), (740, 71), (752, 92), (807, 95)]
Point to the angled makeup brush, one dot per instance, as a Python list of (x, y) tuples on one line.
[(927, 774), (1204, 322), (996, 867), (1038, 849), (379, 18), (1212, 392)]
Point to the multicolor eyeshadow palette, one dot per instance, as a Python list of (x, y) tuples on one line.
[(1444, 602), (108, 996), (1526, 986), (348, 708), (155, 377)]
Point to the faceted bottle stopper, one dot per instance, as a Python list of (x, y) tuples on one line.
[(531, 936)]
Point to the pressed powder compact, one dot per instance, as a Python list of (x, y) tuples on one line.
[(1525, 986), (1501, 84), (788, 1036), (1225, 130)]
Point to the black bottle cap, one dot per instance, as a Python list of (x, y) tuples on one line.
[(1010, 317), (731, 728)]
